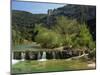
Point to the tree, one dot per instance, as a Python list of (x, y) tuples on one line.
[(47, 38), (16, 37), (84, 40), (67, 28), (85, 37)]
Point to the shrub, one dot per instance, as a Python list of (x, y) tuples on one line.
[(48, 39)]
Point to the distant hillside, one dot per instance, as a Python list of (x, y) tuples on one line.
[(23, 18), (24, 22)]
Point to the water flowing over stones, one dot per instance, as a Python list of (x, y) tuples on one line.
[(45, 55), (14, 61), (39, 55), (31, 55), (22, 56), (53, 54)]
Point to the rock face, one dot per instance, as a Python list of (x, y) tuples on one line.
[(79, 12)]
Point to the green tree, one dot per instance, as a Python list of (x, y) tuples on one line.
[(85, 37), (16, 37), (84, 41), (67, 28), (47, 38)]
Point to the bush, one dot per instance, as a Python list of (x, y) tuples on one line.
[(48, 39), (67, 40), (85, 36)]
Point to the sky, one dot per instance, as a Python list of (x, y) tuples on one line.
[(34, 7)]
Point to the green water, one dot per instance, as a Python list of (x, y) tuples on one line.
[(31, 46), (48, 66)]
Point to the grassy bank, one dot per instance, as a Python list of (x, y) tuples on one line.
[(48, 66)]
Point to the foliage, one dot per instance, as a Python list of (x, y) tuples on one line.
[(85, 38), (48, 38), (24, 22), (85, 35), (66, 32), (16, 37), (67, 28)]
